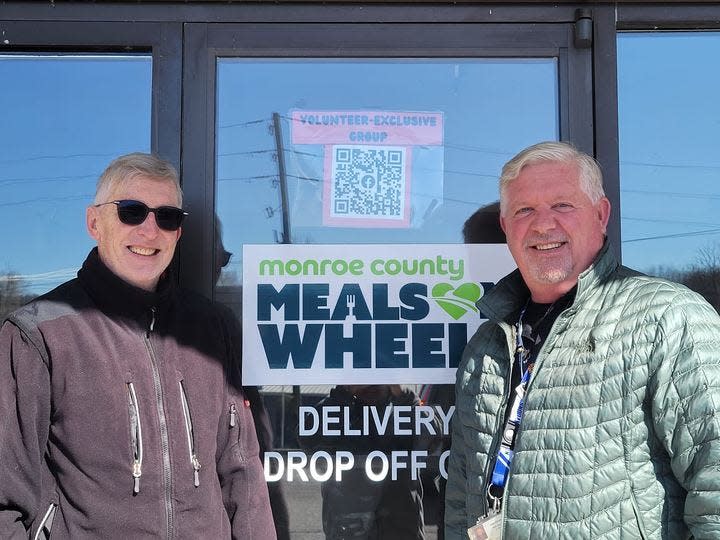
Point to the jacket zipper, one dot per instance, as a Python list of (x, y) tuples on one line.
[(164, 440), (45, 526), (136, 437), (498, 436), (527, 391), (194, 461)]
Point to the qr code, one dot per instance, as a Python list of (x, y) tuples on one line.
[(368, 182)]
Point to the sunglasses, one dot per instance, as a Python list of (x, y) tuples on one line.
[(130, 212)]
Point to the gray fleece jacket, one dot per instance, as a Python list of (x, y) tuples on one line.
[(122, 416)]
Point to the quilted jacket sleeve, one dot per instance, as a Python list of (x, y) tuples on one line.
[(455, 496), (686, 405), (24, 425)]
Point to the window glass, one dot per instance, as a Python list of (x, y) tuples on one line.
[(65, 117), (363, 151), (669, 123), (484, 111)]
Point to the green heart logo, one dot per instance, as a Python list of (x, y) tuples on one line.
[(457, 301)]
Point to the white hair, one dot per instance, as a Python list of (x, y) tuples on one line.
[(591, 181), (131, 166)]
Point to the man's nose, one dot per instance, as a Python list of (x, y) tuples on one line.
[(544, 221), (149, 227)]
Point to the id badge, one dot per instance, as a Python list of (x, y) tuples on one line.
[(488, 528)]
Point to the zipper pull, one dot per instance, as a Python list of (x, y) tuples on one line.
[(152, 318), (233, 415), (196, 469), (136, 476)]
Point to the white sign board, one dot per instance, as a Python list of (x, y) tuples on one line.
[(362, 314)]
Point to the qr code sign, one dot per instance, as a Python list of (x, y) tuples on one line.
[(368, 184)]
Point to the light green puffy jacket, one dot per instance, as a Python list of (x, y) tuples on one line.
[(620, 436)]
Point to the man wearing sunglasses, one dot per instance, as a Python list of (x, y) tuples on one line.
[(121, 411)]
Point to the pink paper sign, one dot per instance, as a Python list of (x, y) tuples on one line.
[(398, 128)]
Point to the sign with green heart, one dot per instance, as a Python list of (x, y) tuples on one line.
[(457, 301), (364, 313)]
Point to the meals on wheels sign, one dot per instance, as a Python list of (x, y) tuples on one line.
[(362, 314)]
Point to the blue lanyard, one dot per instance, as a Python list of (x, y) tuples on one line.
[(505, 454)]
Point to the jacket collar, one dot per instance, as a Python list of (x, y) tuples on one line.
[(510, 293), (114, 296)]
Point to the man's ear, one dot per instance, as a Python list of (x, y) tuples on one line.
[(91, 222), (603, 208), (179, 234), (502, 224)]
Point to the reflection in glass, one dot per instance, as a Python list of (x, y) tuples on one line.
[(376, 505), (366, 151), (65, 117), (669, 123), (483, 111)]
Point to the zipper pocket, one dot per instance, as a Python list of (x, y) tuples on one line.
[(636, 511), (194, 461), (135, 436), (45, 527)]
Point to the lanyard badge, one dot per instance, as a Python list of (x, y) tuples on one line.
[(505, 453)]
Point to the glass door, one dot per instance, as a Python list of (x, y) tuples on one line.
[(320, 134)]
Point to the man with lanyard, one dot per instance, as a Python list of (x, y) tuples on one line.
[(586, 406), (534, 322)]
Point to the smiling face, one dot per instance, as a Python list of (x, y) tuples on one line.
[(138, 254), (554, 231)]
